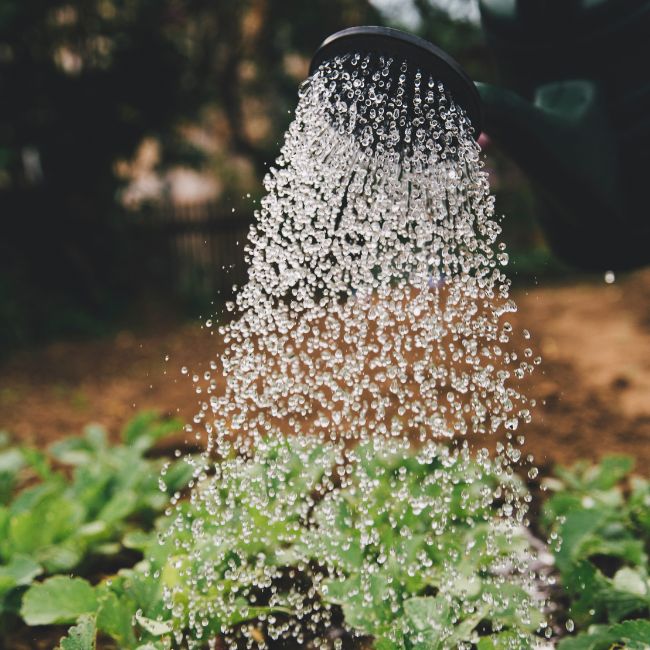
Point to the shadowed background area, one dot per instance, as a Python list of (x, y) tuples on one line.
[(134, 136)]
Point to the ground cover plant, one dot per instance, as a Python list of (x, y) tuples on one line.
[(72, 509), (88, 542), (601, 514), (430, 572)]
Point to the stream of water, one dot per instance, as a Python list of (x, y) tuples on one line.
[(375, 316)]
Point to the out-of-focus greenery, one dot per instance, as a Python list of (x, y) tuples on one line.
[(76, 504), (85, 82), (601, 514), (82, 83), (106, 505), (84, 541)]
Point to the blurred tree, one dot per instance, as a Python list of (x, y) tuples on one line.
[(82, 83)]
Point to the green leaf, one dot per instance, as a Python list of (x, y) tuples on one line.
[(138, 426), (31, 497), (584, 477), (610, 471), (93, 531), (73, 451), (631, 581), (509, 604), (7, 485), (594, 596), (58, 600), (119, 507), (620, 605), (503, 641), (636, 633), (598, 641), (369, 617), (46, 521), (633, 635), (38, 461), (96, 436), (579, 527), (146, 428), (386, 644), (146, 593), (11, 460), (630, 550), (81, 636), (138, 540), (427, 613), (20, 571), (114, 617), (155, 628), (59, 558), (178, 476)]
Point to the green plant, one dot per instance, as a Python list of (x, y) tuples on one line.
[(404, 550), (411, 547), (242, 538), (259, 535), (88, 497), (126, 607), (601, 514)]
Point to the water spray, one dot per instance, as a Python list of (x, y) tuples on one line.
[(572, 114), (374, 326), (420, 55)]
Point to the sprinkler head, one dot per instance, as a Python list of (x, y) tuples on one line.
[(430, 60)]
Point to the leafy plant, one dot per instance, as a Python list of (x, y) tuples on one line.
[(410, 548), (202, 567), (229, 549), (433, 511), (633, 634), (124, 607), (88, 498), (601, 513)]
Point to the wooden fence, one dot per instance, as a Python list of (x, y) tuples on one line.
[(193, 249)]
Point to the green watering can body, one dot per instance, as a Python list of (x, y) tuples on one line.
[(577, 120)]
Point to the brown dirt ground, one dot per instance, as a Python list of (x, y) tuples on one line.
[(593, 386)]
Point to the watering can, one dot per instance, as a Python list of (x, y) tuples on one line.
[(574, 115)]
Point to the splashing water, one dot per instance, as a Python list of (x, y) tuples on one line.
[(374, 321), (375, 298)]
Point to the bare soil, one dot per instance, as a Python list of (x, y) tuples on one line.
[(593, 387)]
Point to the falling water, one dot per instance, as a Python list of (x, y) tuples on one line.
[(374, 321)]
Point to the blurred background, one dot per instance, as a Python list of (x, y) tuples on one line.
[(134, 138), (134, 135)]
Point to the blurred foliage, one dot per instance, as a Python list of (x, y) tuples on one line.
[(71, 507), (272, 514), (87, 539), (86, 82), (83, 82), (599, 518)]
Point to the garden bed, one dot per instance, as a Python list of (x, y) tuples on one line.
[(80, 546)]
